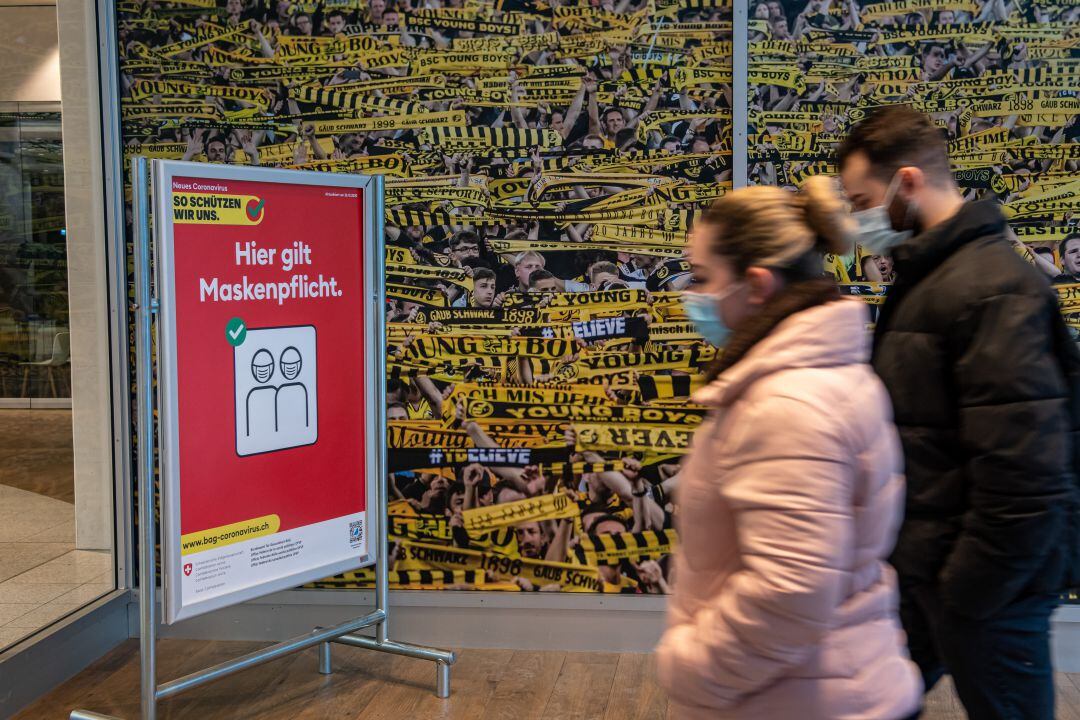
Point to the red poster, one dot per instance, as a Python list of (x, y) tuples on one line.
[(266, 337)]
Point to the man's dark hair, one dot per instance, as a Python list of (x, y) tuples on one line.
[(538, 275), (465, 236), (395, 385), (895, 136), (604, 115), (613, 285), (483, 274), (339, 140), (218, 139), (604, 266), (335, 13), (1064, 244), (605, 518)]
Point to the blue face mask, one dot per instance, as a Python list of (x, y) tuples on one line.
[(875, 232), (703, 309)]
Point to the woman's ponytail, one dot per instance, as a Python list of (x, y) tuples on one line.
[(827, 215)]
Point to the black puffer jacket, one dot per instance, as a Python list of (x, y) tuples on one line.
[(985, 384)]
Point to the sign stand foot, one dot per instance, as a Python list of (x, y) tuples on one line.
[(324, 659), (443, 659), (442, 680)]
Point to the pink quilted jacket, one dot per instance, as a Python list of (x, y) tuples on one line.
[(789, 502)]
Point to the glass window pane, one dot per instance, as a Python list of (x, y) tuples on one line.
[(44, 572)]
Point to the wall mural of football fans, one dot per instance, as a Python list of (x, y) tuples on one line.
[(542, 160), (998, 76)]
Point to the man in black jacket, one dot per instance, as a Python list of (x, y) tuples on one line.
[(982, 377)]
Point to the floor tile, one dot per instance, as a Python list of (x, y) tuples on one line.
[(17, 558), (44, 615), (17, 529), (10, 636), (38, 561), (25, 516), (106, 578), (84, 593), (9, 612), (64, 532), (13, 592), (76, 567), (14, 499)]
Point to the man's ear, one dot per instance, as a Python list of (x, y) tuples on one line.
[(762, 283), (912, 180)]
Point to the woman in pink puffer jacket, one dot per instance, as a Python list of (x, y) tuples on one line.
[(792, 494)]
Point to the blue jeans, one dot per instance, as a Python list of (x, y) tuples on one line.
[(1000, 665)]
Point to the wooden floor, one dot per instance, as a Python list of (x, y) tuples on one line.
[(36, 452), (487, 685)]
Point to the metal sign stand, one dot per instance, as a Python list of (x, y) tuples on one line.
[(344, 634)]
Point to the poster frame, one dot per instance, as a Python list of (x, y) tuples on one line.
[(162, 173)]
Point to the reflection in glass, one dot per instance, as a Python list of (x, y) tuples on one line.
[(35, 347), (43, 575)]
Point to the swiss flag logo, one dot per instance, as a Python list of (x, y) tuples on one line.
[(187, 569)]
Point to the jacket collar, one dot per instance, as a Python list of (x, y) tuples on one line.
[(829, 335), (919, 255)]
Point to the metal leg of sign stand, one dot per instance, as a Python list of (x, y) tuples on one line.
[(381, 642), (325, 667), (150, 691), (442, 658)]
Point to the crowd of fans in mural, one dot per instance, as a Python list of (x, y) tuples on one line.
[(617, 87), (972, 53), (602, 118)]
